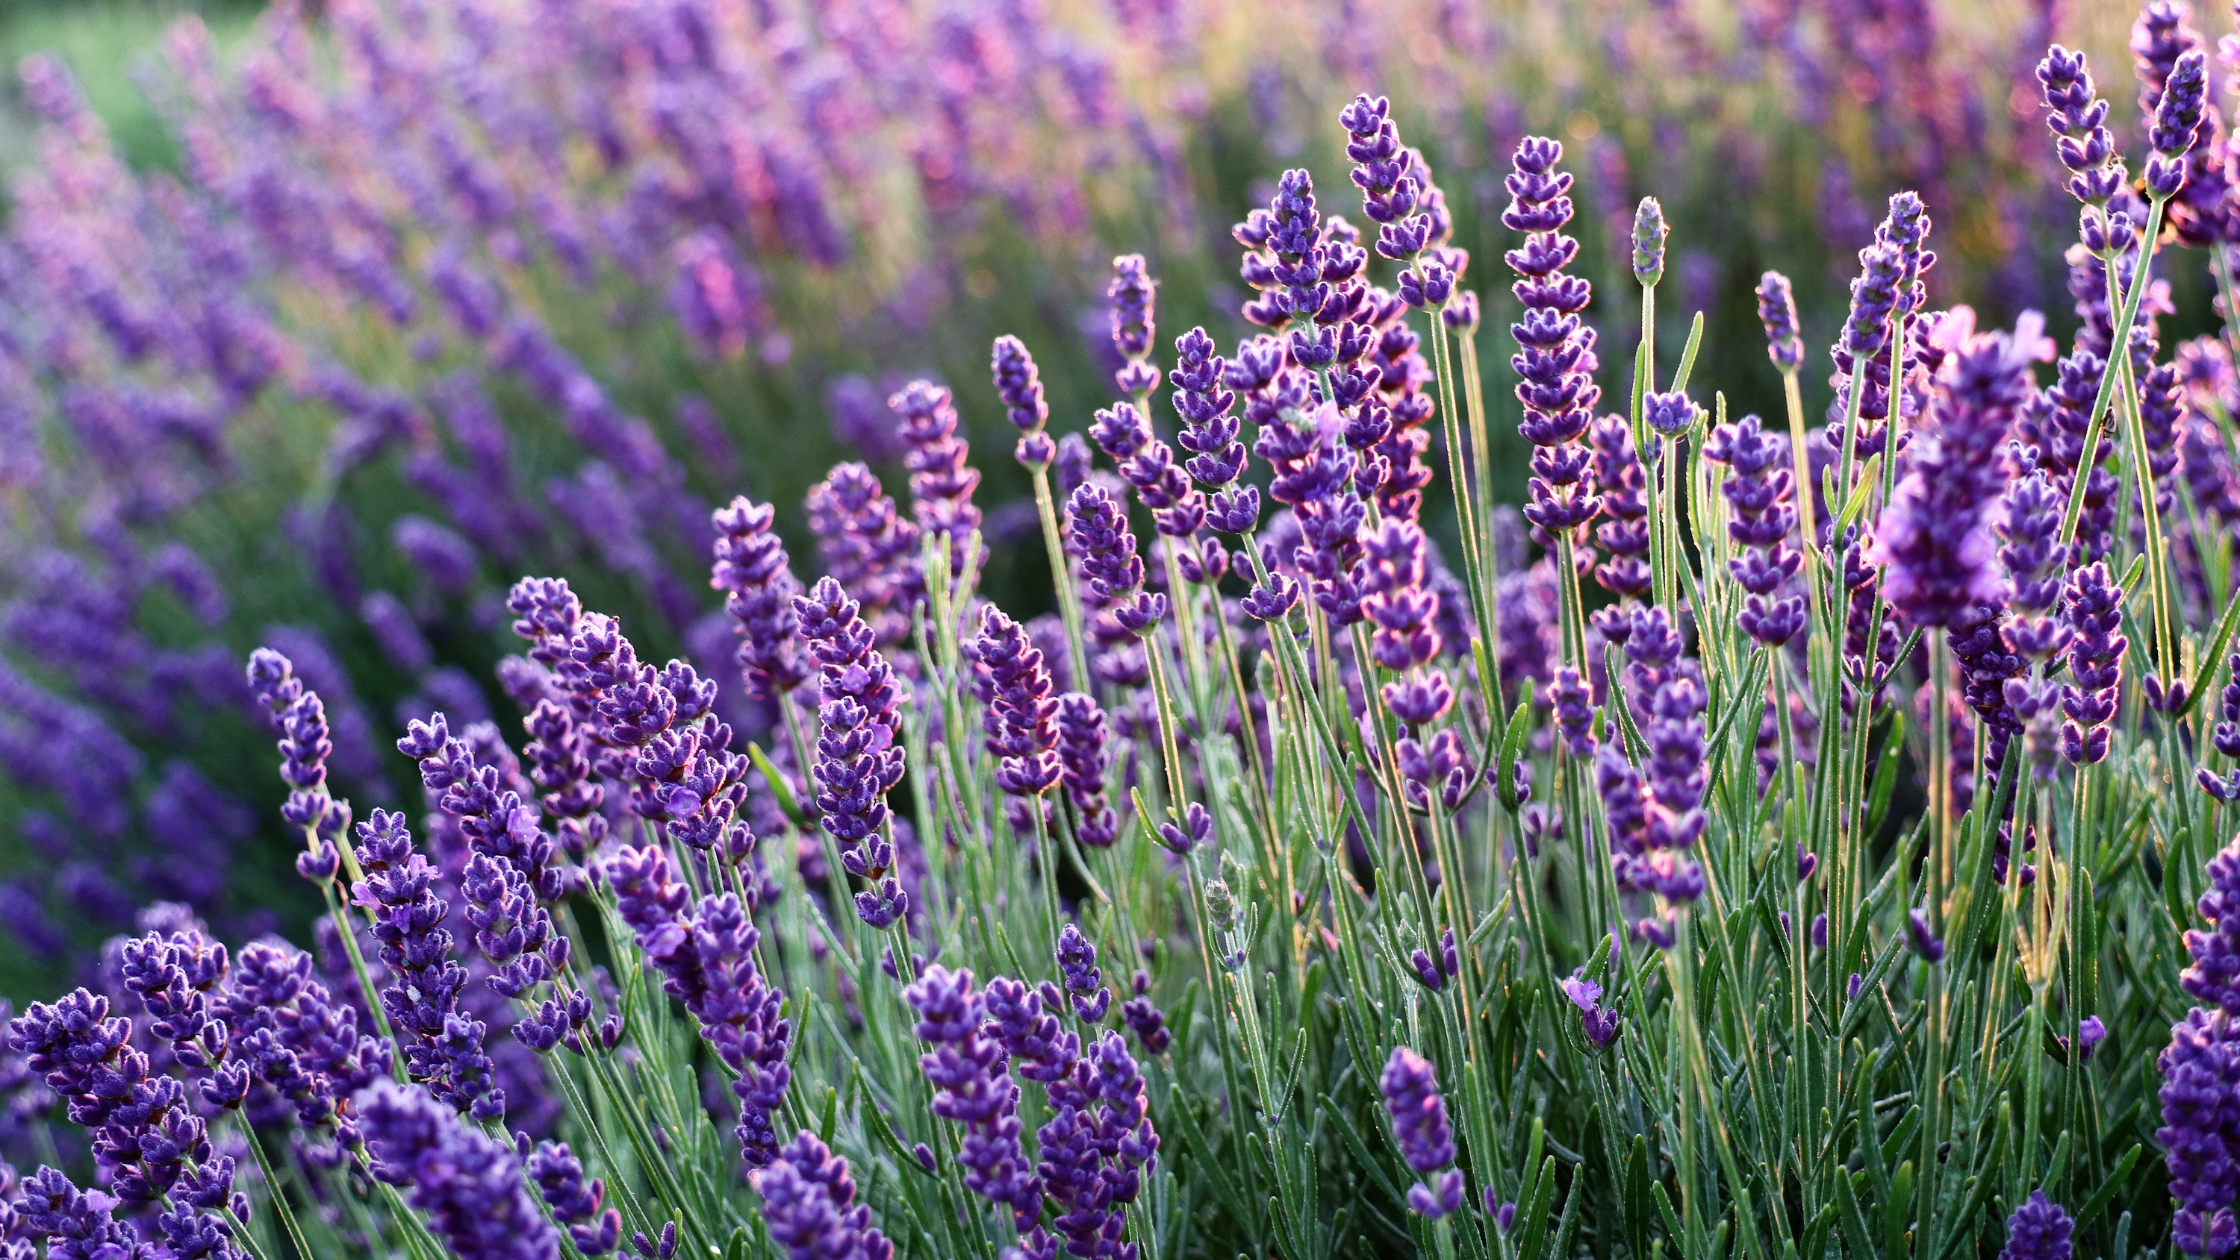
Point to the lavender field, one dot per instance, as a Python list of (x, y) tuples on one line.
[(840, 629)]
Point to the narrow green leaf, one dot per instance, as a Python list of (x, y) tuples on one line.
[(2114, 1184), (779, 789)]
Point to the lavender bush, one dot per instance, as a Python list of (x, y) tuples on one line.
[(1800, 836)]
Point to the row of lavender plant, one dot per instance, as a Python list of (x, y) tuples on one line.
[(1463, 908), (443, 293)]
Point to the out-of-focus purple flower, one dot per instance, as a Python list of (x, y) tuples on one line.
[(1935, 536), (446, 560), (867, 547), (1083, 762), (1623, 530), (1420, 1129), (860, 418), (468, 1184), (941, 481), (758, 588), (1145, 1020), (1922, 937), (718, 298), (1777, 310)]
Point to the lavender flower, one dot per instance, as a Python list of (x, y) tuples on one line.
[(2038, 1230), (1761, 493), (469, 1185), (1777, 310), (442, 1045), (1019, 720), (1131, 294), (1124, 433), (758, 588), (304, 747), (2200, 1071), (1145, 1020), (859, 752), (867, 547), (1420, 1130), (575, 1205), (1083, 763), (1649, 232), (1084, 982), (809, 1204), (1624, 528), (1600, 1025), (1209, 433), (1935, 536), (941, 482), (972, 1089), (1109, 564), (1403, 610), (1019, 385), (1555, 348), (2092, 616), (705, 954), (2079, 122), (2177, 118)]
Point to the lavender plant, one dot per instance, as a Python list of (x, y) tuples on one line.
[(1466, 911)]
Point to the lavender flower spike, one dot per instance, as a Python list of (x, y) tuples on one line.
[(302, 722), (1133, 294), (1420, 1129), (469, 1185), (1555, 349), (1649, 232), (1777, 310), (809, 1204), (2177, 119), (758, 588), (1935, 536), (1019, 385), (2038, 1230)]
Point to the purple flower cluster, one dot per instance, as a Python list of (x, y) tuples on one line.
[(868, 547), (1777, 310), (1405, 640), (1123, 432), (941, 481), (442, 1043), (1761, 491), (758, 588), (304, 747), (2092, 616), (1556, 358), (2200, 1071), (1651, 818), (1888, 290), (1110, 567), (704, 951), (2038, 1230), (1934, 538), (575, 1204), (1420, 1129), (1132, 295), (1597, 1022), (859, 750), (1019, 386), (1209, 433), (1020, 719), (1083, 762), (1621, 483), (973, 1089), (809, 1203), (468, 1184)]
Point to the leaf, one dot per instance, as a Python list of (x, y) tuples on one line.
[(1532, 1216), (1512, 742), (2114, 1184), (2211, 658), (780, 790), (1688, 355), (1854, 1222)]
